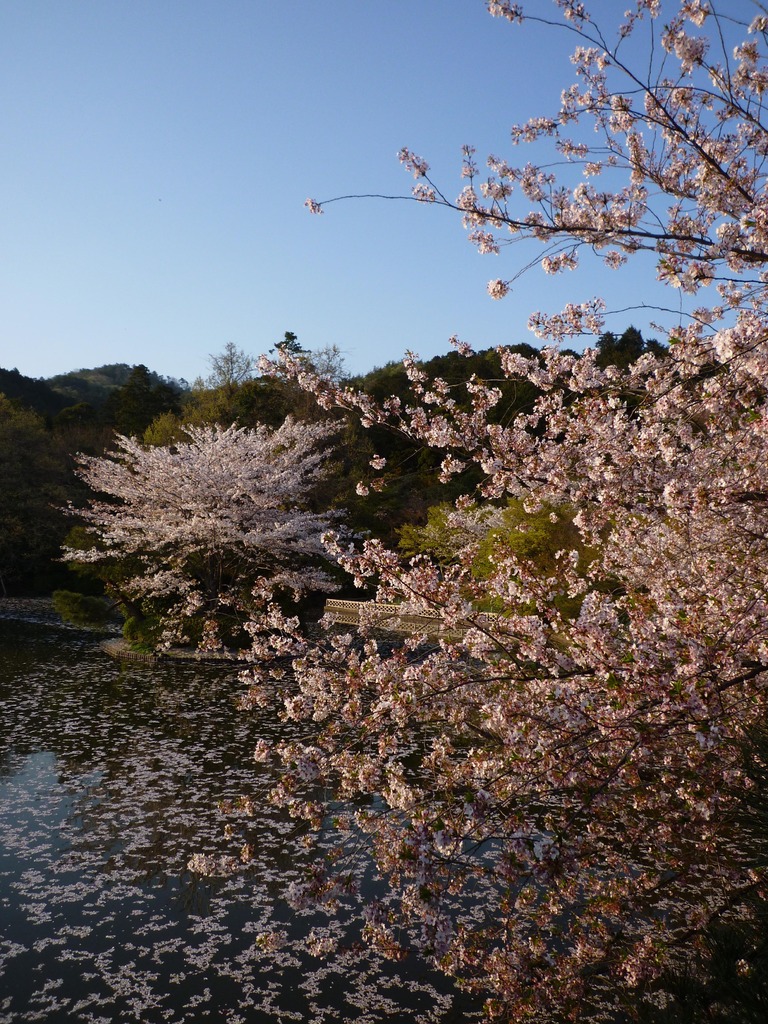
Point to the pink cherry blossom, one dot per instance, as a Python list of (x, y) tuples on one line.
[(550, 770)]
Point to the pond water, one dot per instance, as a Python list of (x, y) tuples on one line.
[(112, 775)]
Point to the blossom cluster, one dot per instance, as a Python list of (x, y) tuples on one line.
[(209, 522), (551, 780), (577, 760)]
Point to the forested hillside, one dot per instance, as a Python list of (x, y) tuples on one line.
[(37, 395), (44, 424)]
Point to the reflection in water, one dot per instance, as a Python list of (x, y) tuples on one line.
[(111, 777)]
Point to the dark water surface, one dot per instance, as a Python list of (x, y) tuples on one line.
[(111, 777)]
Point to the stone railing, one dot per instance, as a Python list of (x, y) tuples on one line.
[(386, 616)]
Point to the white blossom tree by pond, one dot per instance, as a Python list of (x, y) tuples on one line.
[(579, 824), (209, 524)]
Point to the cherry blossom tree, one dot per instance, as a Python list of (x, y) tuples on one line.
[(211, 524), (557, 794)]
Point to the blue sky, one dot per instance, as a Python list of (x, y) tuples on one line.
[(156, 155)]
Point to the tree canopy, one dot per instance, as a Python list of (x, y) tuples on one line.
[(210, 524), (579, 825), (34, 487)]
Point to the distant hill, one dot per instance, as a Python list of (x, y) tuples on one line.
[(31, 393), (48, 396), (92, 386), (95, 386)]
